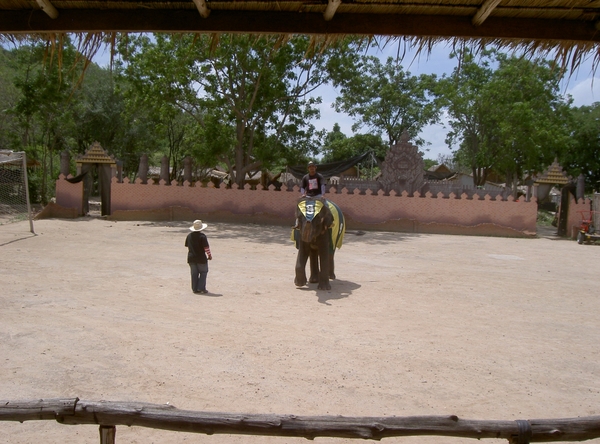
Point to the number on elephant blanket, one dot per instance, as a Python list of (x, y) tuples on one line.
[(310, 208)]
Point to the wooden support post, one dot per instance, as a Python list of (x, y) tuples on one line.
[(107, 434)]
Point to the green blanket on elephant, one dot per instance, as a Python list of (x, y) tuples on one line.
[(310, 208)]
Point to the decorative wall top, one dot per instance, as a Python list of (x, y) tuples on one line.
[(96, 154), (554, 175)]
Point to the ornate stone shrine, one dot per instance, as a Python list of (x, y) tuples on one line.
[(403, 168)]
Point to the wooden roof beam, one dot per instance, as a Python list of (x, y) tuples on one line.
[(484, 12), (254, 22), (48, 8), (202, 8), (332, 6)]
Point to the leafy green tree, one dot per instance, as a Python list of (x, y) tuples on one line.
[(512, 118), (102, 112), (334, 145), (428, 163), (178, 130), (530, 117), (49, 107), (249, 95), (337, 147), (9, 95), (383, 98), (348, 147), (584, 155), (45, 81), (463, 95)]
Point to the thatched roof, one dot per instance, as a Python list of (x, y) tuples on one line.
[(564, 26)]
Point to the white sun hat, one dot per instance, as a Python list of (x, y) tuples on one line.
[(198, 225)]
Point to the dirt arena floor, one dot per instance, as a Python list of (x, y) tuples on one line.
[(478, 327)]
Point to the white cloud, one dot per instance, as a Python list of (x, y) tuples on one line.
[(585, 92)]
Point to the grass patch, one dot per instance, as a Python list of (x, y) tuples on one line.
[(545, 218)]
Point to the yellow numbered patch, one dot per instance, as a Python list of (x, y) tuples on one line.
[(310, 208)]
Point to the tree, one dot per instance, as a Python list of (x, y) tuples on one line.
[(463, 94), (428, 163), (9, 95), (249, 95), (334, 145), (530, 117), (45, 88), (383, 97), (101, 111), (337, 147), (512, 118), (53, 109)]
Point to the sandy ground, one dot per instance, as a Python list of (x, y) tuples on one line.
[(481, 328)]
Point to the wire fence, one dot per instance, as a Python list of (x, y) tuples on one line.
[(14, 189)]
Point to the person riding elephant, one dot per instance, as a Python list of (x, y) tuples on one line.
[(320, 230)]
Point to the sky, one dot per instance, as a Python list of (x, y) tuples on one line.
[(581, 85)]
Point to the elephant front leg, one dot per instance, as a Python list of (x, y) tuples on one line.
[(303, 253)]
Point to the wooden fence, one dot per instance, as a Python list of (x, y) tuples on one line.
[(108, 415)]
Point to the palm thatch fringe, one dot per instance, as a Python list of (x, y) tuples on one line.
[(568, 55)]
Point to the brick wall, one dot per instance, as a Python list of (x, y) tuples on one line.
[(596, 208), (423, 214), (69, 195)]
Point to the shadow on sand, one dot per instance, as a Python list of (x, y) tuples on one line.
[(340, 289), (276, 234)]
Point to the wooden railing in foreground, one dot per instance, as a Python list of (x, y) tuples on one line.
[(110, 414)]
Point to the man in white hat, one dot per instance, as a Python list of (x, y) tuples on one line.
[(198, 256)]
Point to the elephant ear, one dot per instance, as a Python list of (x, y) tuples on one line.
[(327, 216), (299, 212), (339, 225)]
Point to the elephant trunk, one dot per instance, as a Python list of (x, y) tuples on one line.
[(307, 232)]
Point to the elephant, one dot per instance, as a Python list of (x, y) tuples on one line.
[(320, 230)]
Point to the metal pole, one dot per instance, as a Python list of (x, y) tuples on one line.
[(27, 192)]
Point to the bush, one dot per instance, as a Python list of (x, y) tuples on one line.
[(545, 217)]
